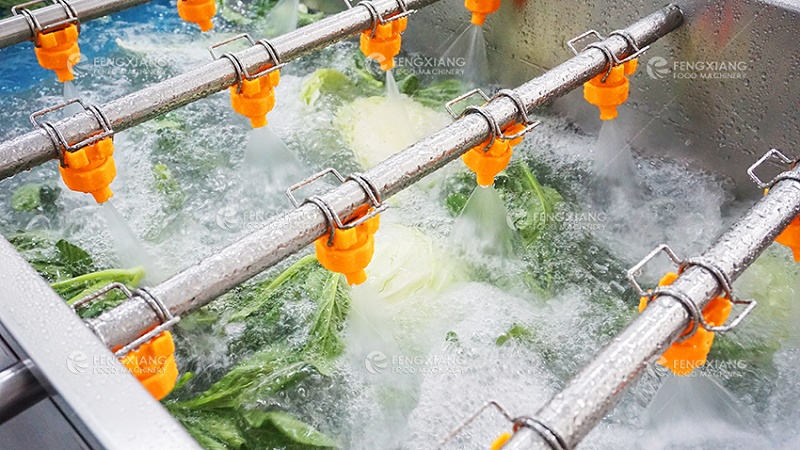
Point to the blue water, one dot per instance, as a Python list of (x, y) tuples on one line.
[(97, 38)]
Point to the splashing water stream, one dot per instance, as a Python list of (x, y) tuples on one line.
[(696, 412), (129, 249), (269, 166), (613, 160), (71, 92), (468, 51), (482, 228), (394, 102)]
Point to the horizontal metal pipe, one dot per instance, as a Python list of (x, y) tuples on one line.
[(15, 29), (589, 396), (35, 147), (288, 233), (19, 390)]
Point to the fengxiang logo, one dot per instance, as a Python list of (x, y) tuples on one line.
[(82, 64), (77, 362), (375, 362), (227, 219), (378, 362), (420, 65), (658, 68)]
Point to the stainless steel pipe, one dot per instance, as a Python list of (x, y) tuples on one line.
[(15, 29), (587, 398), (34, 148), (289, 232), (19, 390)]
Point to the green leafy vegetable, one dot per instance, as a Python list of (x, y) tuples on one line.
[(297, 431), (32, 196), (72, 272), (167, 185), (437, 94), (327, 83), (516, 332), (534, 204), (53, 260), (306, 17), (324, 343), (74, 289), (260, 376), (231, 412)]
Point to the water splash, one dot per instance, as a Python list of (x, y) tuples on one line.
[(129, 249), (71, 92), (612, 155), (282, 18), (482, 228), (269, 166), (468, 50), (697, 412), (392, 90), (395, 104)]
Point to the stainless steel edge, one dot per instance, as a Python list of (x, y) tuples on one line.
[(82, 375)]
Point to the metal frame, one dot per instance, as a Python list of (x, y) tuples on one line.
[(34, 148), (105, 406), (33, 21), (22, 27), (241, 72)]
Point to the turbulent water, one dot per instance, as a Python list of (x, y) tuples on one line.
[(229, 183)]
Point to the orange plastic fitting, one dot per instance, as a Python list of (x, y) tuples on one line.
[(198, 11), (91, 169), (384, 45), (487, 164), (58, 51), (790, 237), (611, 93), (153, 364), (257, 98), (480, 9), (351, 250), (500, 441), (683, 357)]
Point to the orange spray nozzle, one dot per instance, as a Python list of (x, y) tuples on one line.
[(199, 12), (385, 43), (153, 364), (58, 51), (500, 441), (91, 169), (685, 356), (487, 163), (351, 250), (790, 237), (480, 9), (257, 98), (611, 93)]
